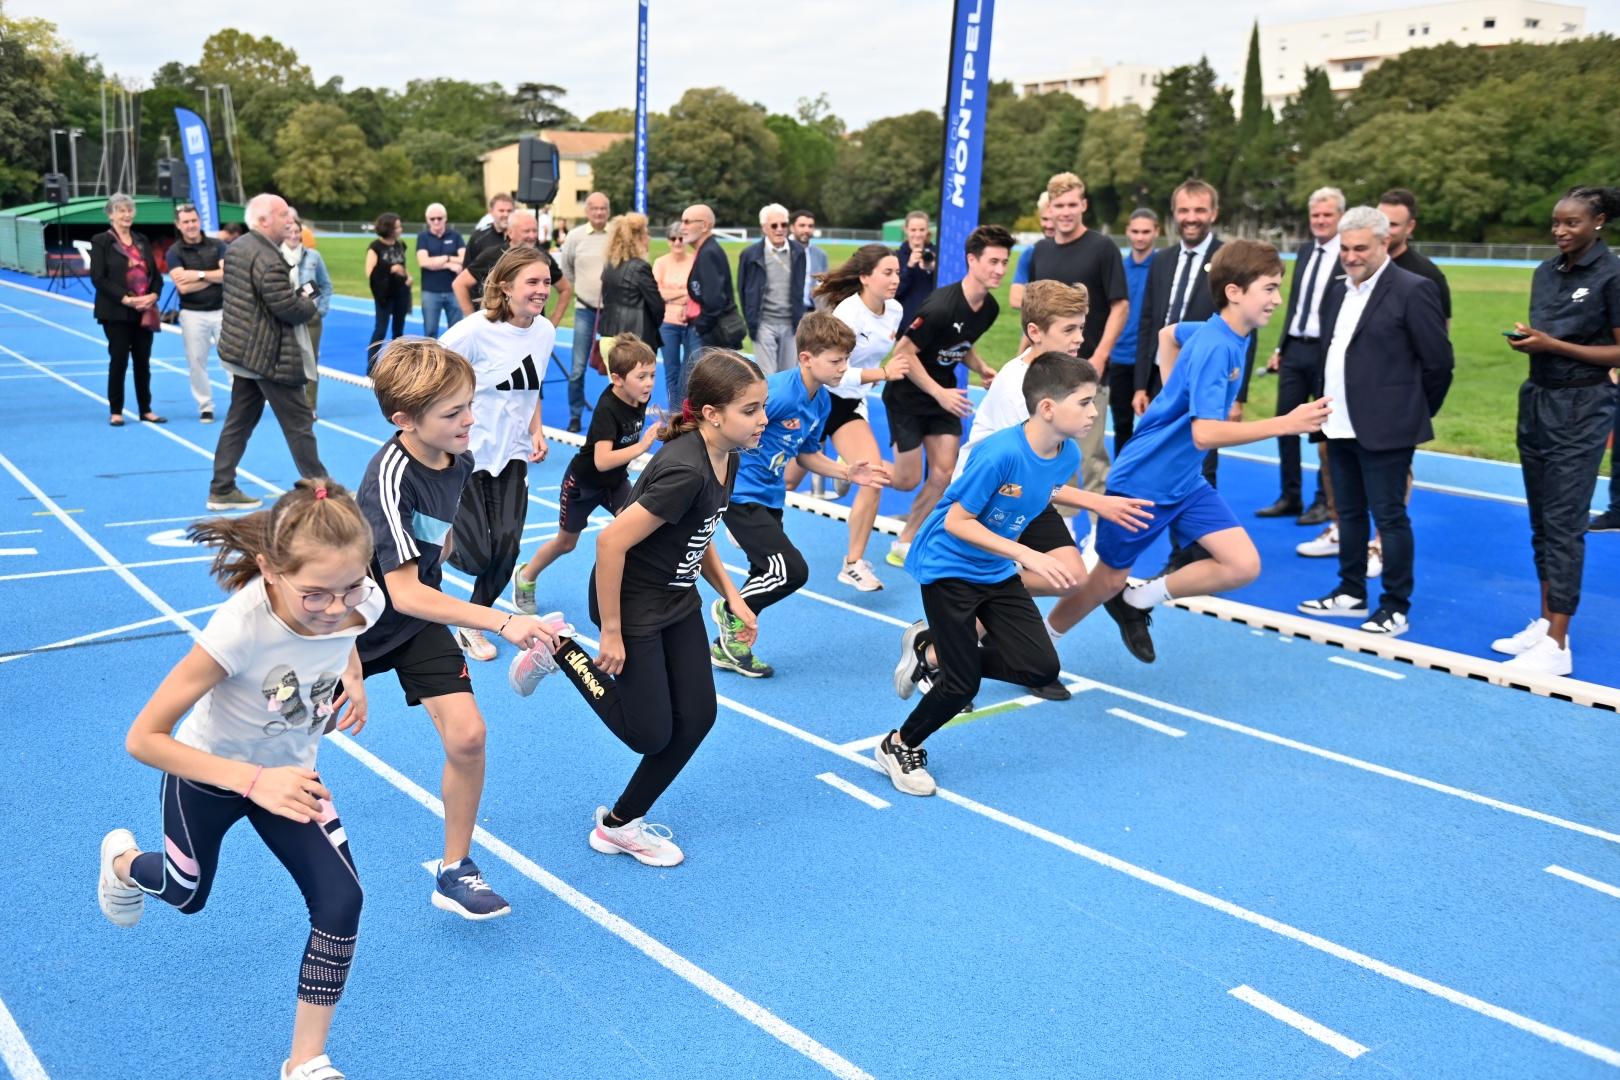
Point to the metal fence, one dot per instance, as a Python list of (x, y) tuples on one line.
[(410, 228), (1443, 250)]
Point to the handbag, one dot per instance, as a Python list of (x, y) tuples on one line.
[(598, 359), (731, 329)]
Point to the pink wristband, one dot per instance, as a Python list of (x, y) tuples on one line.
[(255, 780)]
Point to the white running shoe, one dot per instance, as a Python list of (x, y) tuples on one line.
[(1336, 606), (475, 644), (1544, 658), (636, 838), (897, 553), (316, 1068), (122, 904), (907, 768), (861, 575), (1520, 642), (910, 670), (522, 591), (1375, 559), (1323, 546)]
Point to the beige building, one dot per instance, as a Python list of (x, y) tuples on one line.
[(1099, 86), (575, 149), (1349, 46)]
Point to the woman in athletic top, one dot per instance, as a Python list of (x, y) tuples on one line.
[(265, 680)]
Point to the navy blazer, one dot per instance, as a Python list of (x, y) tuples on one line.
[(1335, 273), (1156, 304), (1397, 368), (751, 283)]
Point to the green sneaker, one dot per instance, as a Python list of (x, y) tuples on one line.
[(897, 553), (745, 664), (522, 592), (729, 626)]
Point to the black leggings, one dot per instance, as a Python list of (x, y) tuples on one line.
[(196, 818), (776, 570), (394, 310), (489, 529), (127, 341), (661, 705)]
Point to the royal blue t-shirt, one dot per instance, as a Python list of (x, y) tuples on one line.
[(1004, 485), (1021, 271), (448, 244), (1136, 275), (1161, 461), (796, 422)]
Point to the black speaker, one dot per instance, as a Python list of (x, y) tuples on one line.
[(174, 181), (537, 171), (56, 188)]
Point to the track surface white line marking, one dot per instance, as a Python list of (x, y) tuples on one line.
[(374, 441), (1145, 722), (21, 532), (1359, 666), (165, 521), (15, 1051), (1582, 879), (850, 789), (1348, 1047), (652, 948), (19, 551), (103, 633), (99, 569), (864, 744)]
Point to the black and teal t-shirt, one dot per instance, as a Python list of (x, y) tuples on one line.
[(619, 425), (944, 330), (410, 508)]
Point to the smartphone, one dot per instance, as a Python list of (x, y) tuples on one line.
[(1514, 335)]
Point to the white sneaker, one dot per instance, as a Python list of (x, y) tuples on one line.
[(122, 904), (532, 665), (910, 669), (860, 574), (897, 553), (1336, 606), (1375, 560), (637, 839), (1525, 638), (1323, 546), (1386, 622), (316, 1068), (907, 768), (1544, 658), (474, 644)]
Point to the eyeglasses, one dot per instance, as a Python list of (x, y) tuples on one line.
[(320, 601), (777, 225), (436, 218)]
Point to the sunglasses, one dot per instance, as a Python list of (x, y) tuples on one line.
[(320, 601)]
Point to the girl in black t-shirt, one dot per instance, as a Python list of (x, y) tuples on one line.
[(390, 283), (651, 682)]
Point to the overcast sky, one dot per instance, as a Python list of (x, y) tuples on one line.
[(871, 59)]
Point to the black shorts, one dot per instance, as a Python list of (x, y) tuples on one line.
[(1047, 532), (578, 499), (428, 664), (844, 410), (907, 429)]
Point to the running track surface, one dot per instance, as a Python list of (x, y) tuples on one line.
[(1247, 860)]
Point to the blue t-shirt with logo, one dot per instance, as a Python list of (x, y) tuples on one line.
[(1161, 462), (796, 422), (1005, 485), (1136, 275), (448, 244)]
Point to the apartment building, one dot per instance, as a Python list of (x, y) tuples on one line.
[(1098, 85)]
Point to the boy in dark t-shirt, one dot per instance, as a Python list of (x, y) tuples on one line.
[(599, 475)]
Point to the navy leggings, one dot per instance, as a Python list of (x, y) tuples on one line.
[(196, 818)]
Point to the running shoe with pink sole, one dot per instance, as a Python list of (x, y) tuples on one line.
[(637, 839)]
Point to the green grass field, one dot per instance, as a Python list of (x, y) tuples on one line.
[(1478, 418)]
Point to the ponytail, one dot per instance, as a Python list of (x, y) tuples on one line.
[(836, 286), (718, 378), (315, 515)]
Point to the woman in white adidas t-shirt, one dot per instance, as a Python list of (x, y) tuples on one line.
[(509, 344), (861, 294), (267, 678)]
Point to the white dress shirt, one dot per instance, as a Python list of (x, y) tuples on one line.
[(1188, 260), (1308, 318), (1338, 424)]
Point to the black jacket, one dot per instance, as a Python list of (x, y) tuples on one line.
[(261, 309), (710, 285), (1335, 273), (751, 280), (1397, 368), (1156, 305), (108, 274), (631, 302)]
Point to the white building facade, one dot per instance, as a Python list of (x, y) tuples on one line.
[(1098, 85), (1349, 46)]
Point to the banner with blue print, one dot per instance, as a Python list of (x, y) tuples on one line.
[(199, 153), (964, 133), (641, 109)]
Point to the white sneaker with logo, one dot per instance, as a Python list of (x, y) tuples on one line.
[(474, 644), (1375, 560), (316, 1068), (1323, 546), (122, 904), (643, 842), (861, 575), (1521, 641), (1544, 658)]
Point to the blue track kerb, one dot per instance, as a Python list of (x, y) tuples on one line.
[(1368, 854)]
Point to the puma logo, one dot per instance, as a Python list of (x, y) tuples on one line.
[(580, 665)]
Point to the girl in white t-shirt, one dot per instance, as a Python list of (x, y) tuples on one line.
[(861, 294), (509, 344), (268, 677)]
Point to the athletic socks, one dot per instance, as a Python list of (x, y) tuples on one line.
[(1051, 631), (1148, 595)]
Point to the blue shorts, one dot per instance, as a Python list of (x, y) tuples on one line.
[(1199, 514)]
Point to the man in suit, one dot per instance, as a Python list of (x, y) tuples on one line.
[(1298, 359), (1386, 371), (803, 228), (770, 291)]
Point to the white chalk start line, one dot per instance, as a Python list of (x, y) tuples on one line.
[(834, 780), (1348, 1047)]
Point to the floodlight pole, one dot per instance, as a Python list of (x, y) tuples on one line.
[(641, 107), (73, 156), (230, 138)]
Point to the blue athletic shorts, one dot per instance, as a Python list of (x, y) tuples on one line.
[(1199, 514)]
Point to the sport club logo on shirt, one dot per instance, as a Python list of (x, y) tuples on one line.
[(1015, 491), (953, 355), (1579, 295), (791, 425), (523, 377)]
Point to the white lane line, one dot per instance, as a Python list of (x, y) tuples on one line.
[(1145, 722), (100, 569), (864, 744), (15, 1051), (1348, 1047), (1359, 666), (807, 594), (1389, 971), (850, 789), (356, 434), (19, 551), (755, 1014), (47, 322), (1582, 879), (165, 521), (21, 532), (103, 633)]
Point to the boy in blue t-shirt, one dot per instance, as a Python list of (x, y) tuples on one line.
[(796, 408), (966, 557), (1164, 459)]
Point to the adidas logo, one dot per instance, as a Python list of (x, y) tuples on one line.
[(581, 666), (524, 377)]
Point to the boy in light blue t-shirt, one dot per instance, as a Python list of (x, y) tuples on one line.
[(1163, 460)]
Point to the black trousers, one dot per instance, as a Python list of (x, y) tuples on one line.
[(661, 705), (488, 529), (776, 570), (293, 413), (394, 310), (1016, 647), (1373, 481), (1299, 379), (125, 342), (1561, 437), (1121, 388)]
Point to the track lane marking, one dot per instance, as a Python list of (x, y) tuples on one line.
[(99, 569), (1359, 666), (1165, 729), (15, 1051), (1582, 879), (1276, 1009), (834, 780), (82, 638)]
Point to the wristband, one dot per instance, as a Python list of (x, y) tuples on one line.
[(255, 780), (502, 631)]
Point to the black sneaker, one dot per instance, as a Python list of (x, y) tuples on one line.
[(1280, 508), (1133, 628), (573, 425), (1608, 521), (1181, 557), (1315, 514), (1053, 691), (1386, 622)]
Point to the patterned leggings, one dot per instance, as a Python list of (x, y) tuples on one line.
[(196, 818)]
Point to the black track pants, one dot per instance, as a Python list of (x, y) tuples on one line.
[(489, 529), (1562, 434), (776, 570)]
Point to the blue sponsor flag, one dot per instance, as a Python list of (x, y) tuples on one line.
[(964, 133), (199, 153), (641, 109)]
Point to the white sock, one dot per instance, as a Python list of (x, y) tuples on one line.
[(1148, 594), (445, 867), (1052, 631), (901, 545)]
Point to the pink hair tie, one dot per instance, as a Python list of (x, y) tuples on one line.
[(686, 411), (320, 493)]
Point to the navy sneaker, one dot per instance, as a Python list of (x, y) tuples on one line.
[(462, 890)]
